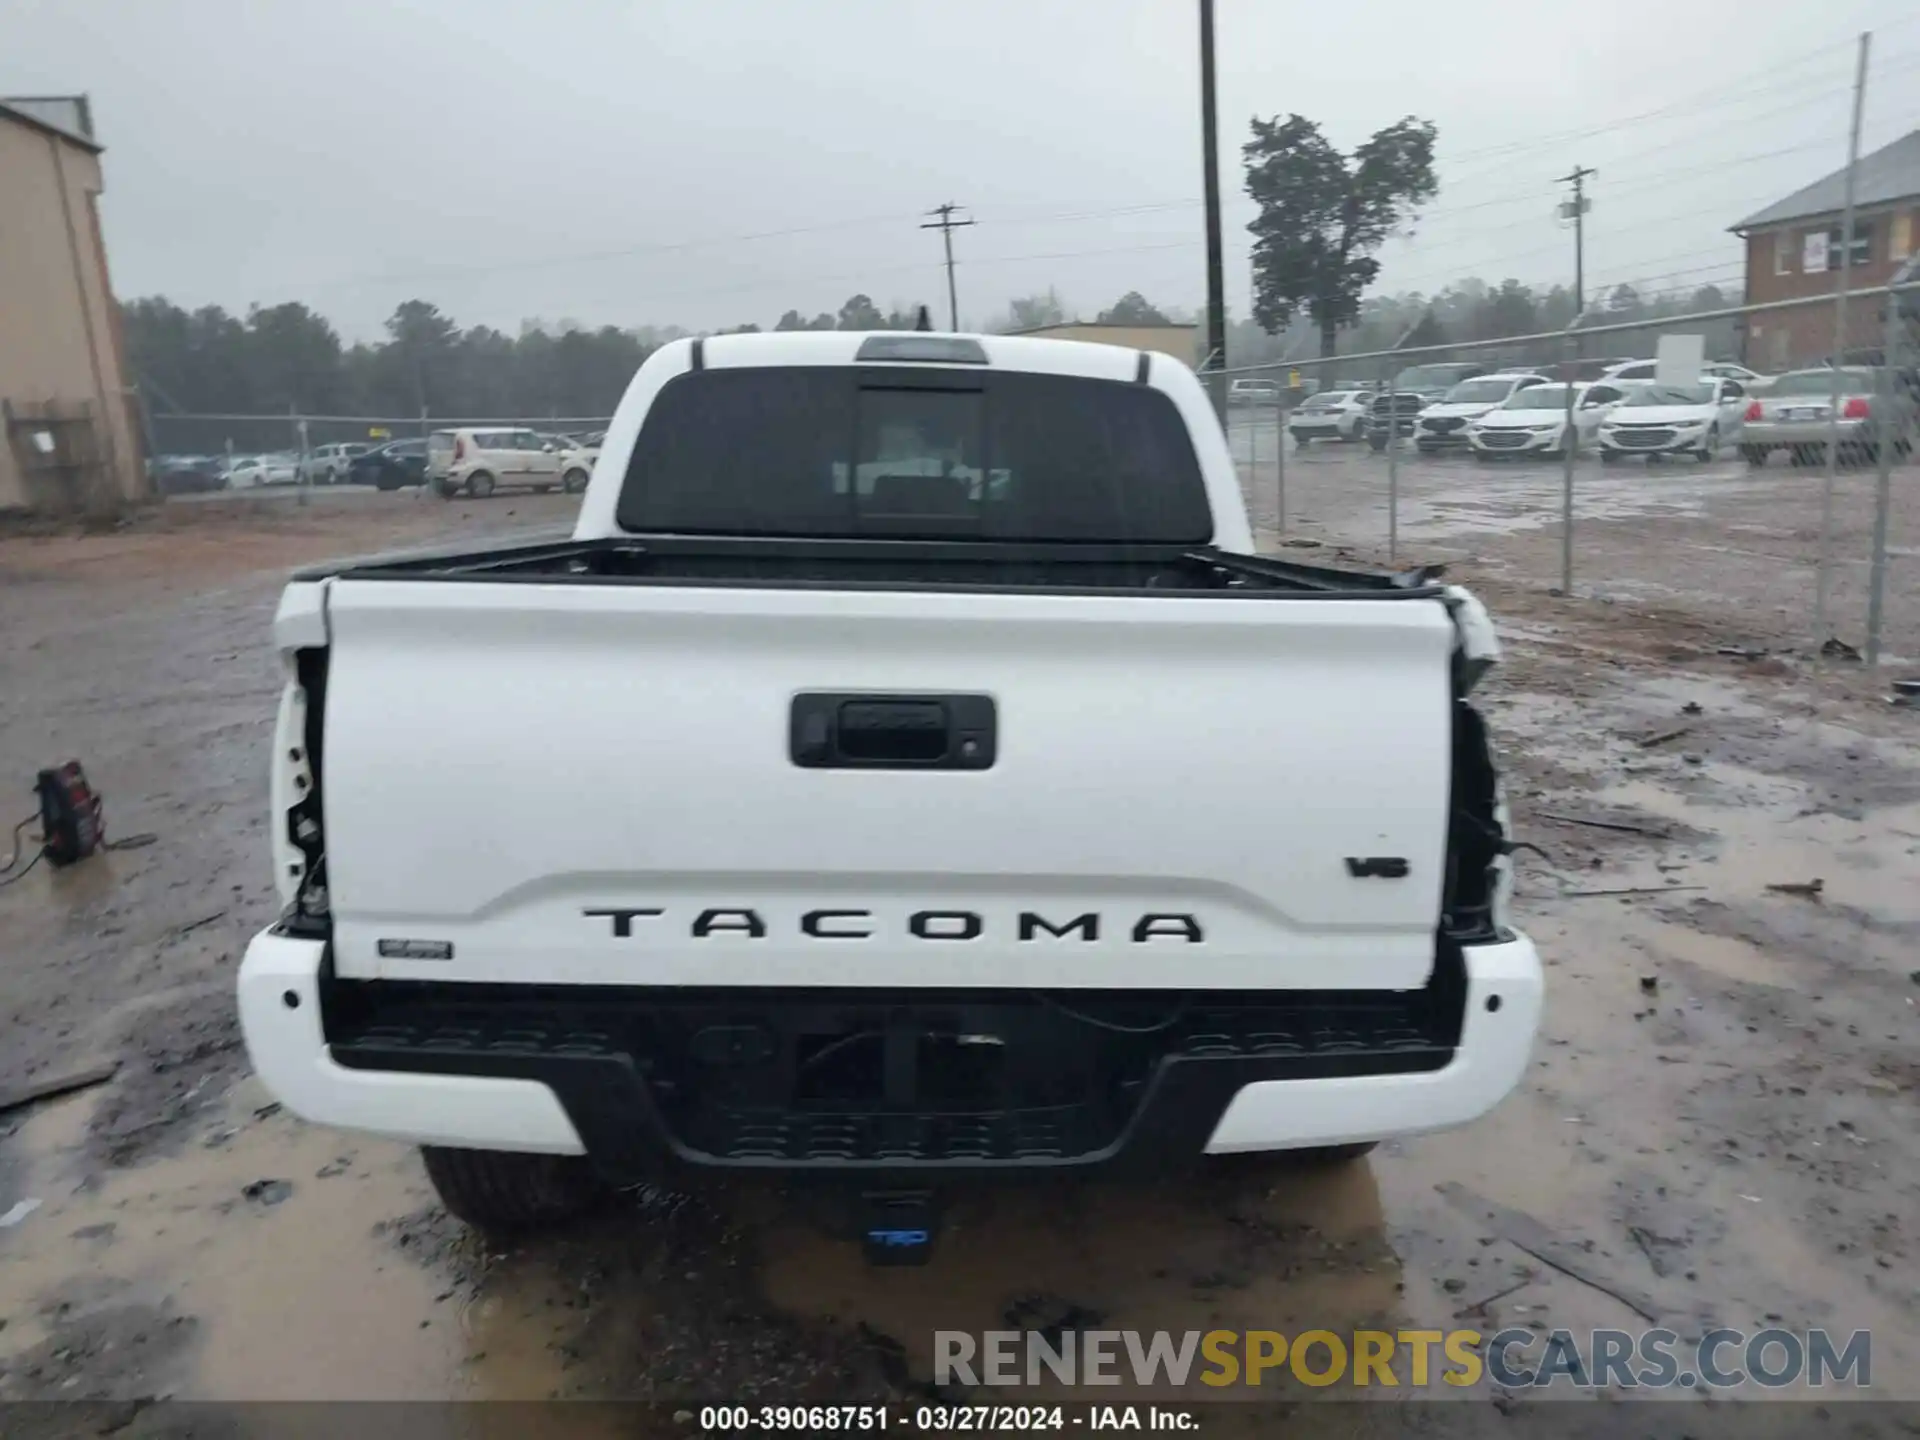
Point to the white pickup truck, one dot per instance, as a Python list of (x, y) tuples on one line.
[(907, 773)]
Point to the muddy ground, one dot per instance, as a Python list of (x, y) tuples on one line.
[(1719, 1127)]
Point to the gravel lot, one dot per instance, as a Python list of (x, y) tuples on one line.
[(1721, 1116)]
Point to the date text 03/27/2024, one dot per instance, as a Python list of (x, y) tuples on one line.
[(963, 1419)]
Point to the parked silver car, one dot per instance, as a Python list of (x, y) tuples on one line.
[(1331, 415), (1796, 415)]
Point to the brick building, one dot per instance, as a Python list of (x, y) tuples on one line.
[(1793, 249)]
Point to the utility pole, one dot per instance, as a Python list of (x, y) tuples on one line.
[(1576, 211), (946, 225), (1210, 146)]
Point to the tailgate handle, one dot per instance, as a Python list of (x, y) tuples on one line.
[(839, 731)]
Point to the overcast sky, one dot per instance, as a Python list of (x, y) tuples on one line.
[(711, 162)]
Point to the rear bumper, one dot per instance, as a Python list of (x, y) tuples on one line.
[(1804, 432), (491, 1087)]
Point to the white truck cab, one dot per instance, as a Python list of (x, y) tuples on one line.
[(948, 791)]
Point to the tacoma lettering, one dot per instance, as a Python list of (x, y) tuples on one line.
[(930, 925), (815, 923), (1031, 925)]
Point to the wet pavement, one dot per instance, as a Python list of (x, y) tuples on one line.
[(1719, 1125)]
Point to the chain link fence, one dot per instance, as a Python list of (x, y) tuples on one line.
[(1760, 538), (197, 452), (1807, 539)]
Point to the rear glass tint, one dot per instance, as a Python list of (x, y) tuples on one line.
[(848, 451), (1820, 382)]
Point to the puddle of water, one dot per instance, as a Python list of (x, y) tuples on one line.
[(299, 1300), (1258, 1243), (1862, 864)]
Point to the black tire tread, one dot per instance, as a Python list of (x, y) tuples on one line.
[(503, 1192), (1337, 1154)]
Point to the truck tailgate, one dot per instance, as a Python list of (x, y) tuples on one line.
[(592, 784)]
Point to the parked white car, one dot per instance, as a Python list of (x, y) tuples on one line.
[(1715, 369), (480, 461), (252, 471), (1533, 421), (1331, 415), (329, 464), (1443, 424), (576, 465), (1254, 392), (1659, 419)]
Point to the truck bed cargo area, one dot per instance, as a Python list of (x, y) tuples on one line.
[(895, 564)]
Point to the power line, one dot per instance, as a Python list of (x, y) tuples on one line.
[(1910, 60), (1739, 89), (1653, 180)]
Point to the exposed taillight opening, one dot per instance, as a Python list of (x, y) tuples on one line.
[(1753, 411), (459, 449), (1476, 840), (1857, 409), (310, 913)]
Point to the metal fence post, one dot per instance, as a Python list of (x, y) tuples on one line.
[(1823, 578), (1280, 461), (1568, 444), (302, 477), (1393, 467), (1883, 406), (1253, 455)]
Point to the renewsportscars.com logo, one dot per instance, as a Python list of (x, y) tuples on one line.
[(1657, 1359)]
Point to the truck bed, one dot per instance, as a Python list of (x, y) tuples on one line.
[(894, 565)]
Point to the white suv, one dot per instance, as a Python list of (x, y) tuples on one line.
[(1443, 425), (480, 461), (330, 464)]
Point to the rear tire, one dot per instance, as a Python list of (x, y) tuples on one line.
[(1337, 1154), (504, 1192), (445, 489), (574, 481), (1376, 445), (480, 484)]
